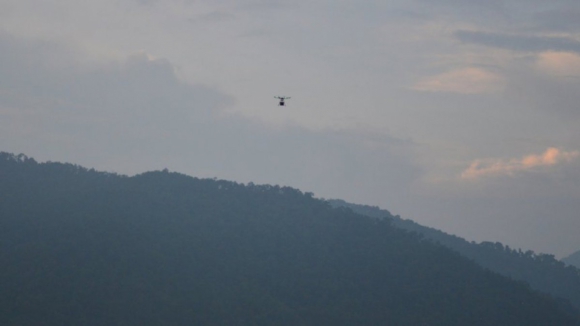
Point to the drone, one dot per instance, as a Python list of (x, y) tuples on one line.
[(281, 98)]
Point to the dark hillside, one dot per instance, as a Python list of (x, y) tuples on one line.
[(573, 259), (542, 271), (80, 247)]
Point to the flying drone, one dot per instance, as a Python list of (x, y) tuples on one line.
[(281, 98)]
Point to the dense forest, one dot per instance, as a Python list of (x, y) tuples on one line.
[(573, 259), (542, 272), (82, 247)]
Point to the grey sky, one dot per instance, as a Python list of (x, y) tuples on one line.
[(524, 43), (462, 115)]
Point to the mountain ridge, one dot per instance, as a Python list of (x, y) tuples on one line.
[(91, 248), (573, 259), (542, 271)]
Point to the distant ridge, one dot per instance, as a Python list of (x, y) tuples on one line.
[(573, 259), (542, 271), (82, 247)]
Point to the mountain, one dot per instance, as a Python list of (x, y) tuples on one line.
[(542, 272), (573, 259), (82, 247)]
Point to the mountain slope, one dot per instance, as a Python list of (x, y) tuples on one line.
[(80, 247), (543, 272), (573, 259)]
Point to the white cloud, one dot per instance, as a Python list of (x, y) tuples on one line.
[(496, 167), (470, 80), (562, 64)]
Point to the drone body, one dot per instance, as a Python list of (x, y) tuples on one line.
[(281, 98)]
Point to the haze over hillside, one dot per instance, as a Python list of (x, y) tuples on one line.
[(542, 271), (462, 115), (573, 259), (81, 247)]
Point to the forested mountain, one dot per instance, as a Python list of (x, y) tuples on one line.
[(542, 271), (573, 259), (81, 247)]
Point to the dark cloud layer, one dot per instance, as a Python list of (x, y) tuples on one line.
[(558, 20)]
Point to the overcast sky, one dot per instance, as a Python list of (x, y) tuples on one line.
[(461, 115)]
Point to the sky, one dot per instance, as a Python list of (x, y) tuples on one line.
[(460, 115)]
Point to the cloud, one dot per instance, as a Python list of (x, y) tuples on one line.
[(495, 167), (135, 114), (547, 83), (560, 20), (50, 102), (464, 81), (563, 64), (516, 42)]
